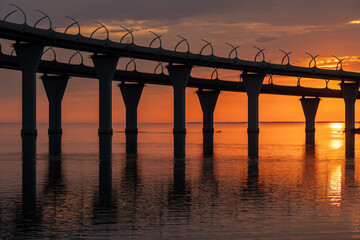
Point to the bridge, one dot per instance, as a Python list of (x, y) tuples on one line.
[(29, 47)]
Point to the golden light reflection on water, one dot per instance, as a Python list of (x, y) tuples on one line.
[(334, 191), (337, 140), (151, 189)]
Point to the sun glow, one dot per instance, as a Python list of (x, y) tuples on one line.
[(336, 126), (354, 22)]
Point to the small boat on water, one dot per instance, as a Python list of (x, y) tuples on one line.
[(356, 130)]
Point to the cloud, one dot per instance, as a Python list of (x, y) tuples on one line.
[(265, 39)]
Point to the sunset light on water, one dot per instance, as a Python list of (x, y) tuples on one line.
[(179, 119)]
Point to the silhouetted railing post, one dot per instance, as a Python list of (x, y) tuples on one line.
[(349, 92), (253, 84), (29, 56), (105, 66)]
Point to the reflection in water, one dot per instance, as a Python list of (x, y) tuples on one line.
[(55, 183), (129, 192), (310, 168), (208, 143), (253, 144), (334, 190), (179, 197), (310, 143), (28, 217), (29, 174), (131, 142), (55, 144), (283, 194), (253, 175), (336, 141), (179, 145), (105, 207)]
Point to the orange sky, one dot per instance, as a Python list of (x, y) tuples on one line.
[(291, 27)]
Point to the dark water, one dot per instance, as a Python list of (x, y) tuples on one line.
[(293, 190)]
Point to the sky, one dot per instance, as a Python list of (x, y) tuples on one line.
[(320, 27)]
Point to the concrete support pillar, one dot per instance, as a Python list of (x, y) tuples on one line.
[(253, 84), (131, 143), (131, 94), (349, 92), (179, 76), (310, 106), (105, 66), (55, 88), (29, 56), (179, 145), (208, 143), (208, 101)]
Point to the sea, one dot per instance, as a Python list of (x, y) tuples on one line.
[(154, 185)]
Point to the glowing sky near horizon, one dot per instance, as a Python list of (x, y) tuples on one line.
[(324, 27)]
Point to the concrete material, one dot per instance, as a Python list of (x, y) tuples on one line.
[(29, 56), (55, 88), (179, 75), (310, 106), (131, 94), (105, 66), (208, 101), (349, 92), (253, 84)]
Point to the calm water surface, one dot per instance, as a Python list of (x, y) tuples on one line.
[(292, 191)]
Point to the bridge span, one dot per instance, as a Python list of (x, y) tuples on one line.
[(29, 47)]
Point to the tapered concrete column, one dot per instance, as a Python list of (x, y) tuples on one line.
[(29, 56), (55, 88), (310, 106), (208, 101), (131, 94), (349, 92), (253, 84), (179, 75), (105, 66)]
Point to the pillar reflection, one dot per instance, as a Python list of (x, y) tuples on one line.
[(208, 180), (349, 145), (253, 175), (29, 216), (29, 173), (55, 182), (105, 207), (310, 143), (179, 196)]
